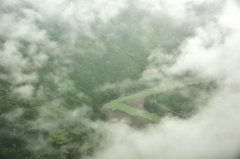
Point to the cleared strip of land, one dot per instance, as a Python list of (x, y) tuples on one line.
[(120, 106), (120, 103)]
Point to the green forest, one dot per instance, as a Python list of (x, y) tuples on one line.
[(119, 79), (53, 67), (182, 101), (90, 72)]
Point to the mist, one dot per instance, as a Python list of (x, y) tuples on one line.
[(60, 61)]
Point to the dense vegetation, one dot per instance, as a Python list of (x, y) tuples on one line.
[(69, 137), (182, 101), (53, 71)]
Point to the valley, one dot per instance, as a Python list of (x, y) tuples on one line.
[(132, 108)]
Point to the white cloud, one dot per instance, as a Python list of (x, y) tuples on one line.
[(213, 52), (11, 58), (19, 78), (14, 115), (25, 91), (214, 133)]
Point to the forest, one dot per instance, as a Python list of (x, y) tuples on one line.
[(182, 102), (119, 79), (89, 73), (53, 67)]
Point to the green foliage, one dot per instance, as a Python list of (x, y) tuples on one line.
[(131, 111), (77, 64), (67, 141), (118, 104), (182, 101)]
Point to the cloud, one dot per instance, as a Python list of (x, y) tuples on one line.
[(40, 43), (14, 115), (11, 59), (159, 61), (212, 134), (213, 50), (25, 91), (212, 53)]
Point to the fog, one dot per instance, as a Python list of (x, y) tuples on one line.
[(197, 37), (212, 52)]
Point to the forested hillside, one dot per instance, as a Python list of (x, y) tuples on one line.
[(182, 101), (89, 72), (54, 66), (119, 79)]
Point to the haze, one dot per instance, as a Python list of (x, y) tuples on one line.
[(62, 60)]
